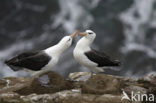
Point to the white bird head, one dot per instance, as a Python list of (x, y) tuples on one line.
[(89, 34), (67, 40)]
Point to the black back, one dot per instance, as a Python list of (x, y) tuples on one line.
[(101, 58), (30, 60)]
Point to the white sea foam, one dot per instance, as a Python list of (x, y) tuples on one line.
[(138, 15)]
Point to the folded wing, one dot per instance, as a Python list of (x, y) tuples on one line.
[(101, 58)]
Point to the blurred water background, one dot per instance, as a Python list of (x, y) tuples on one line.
[(126, 29)]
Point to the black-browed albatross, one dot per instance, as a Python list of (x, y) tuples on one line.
[(95, 60), (38, 62)]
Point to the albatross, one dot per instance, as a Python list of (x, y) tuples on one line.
[(95, 60), (38, 62)]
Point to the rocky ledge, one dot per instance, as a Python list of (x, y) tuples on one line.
[(80, 87)]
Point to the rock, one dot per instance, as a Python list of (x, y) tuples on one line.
[(79, 76), (73, 97), (149, 78), (80, 87), (12, 84), (10, 97), (49, 82), (102, 84)]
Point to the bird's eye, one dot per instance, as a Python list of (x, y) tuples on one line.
[(90, 33), (69, 39)]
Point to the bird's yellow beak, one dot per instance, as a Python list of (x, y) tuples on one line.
[(82, 34), (74, 34)]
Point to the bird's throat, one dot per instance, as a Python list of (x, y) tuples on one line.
[(84, 43)]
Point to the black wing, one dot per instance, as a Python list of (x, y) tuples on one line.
[(31, 60), (27, 54), (101, 58)]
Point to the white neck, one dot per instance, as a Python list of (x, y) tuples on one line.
[(56, 50), (84, 43)]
